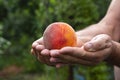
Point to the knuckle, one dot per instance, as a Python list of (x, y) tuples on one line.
[(34, 44)]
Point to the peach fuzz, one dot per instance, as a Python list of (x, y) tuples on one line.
[(58, 35)]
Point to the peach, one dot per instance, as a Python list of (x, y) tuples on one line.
[(58, 35)]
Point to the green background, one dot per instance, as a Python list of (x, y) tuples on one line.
[(24, 21)]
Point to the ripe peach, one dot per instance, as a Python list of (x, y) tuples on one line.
[(58, 35)]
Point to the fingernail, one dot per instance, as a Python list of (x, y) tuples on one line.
[(54, 53), (39, 47), (45, 52), (89, 47), (34, 45)]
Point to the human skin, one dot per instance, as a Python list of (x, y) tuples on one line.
[(109, 25)]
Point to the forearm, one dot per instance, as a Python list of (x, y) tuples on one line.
[(113, 12), (109, 25), (112, 19), (91, 31)]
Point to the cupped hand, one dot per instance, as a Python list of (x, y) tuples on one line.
[(42, 54), (91, 53)]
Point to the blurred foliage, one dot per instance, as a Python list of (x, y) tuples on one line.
[(23, 21), (77, 13), (4, 44)]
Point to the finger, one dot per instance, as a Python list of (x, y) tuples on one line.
[(44, 60), (54, 53), (45, 52), (37, 42), (73, 60), (71, 51), (40, 58), (43, 55), (32, 51), (97, 43), (46, 57), (34, 44), (40, 41), (80, 53), (60, 65), (76, 52), (39, 48), (103, 54), (55, 60)]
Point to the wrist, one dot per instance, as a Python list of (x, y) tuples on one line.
[(112, 26), (112, 58)]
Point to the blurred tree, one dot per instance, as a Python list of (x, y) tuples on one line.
[(4, 44), (77, 13), (19, 28), (102, 6)]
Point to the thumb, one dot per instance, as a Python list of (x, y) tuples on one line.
[(99, 42)]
